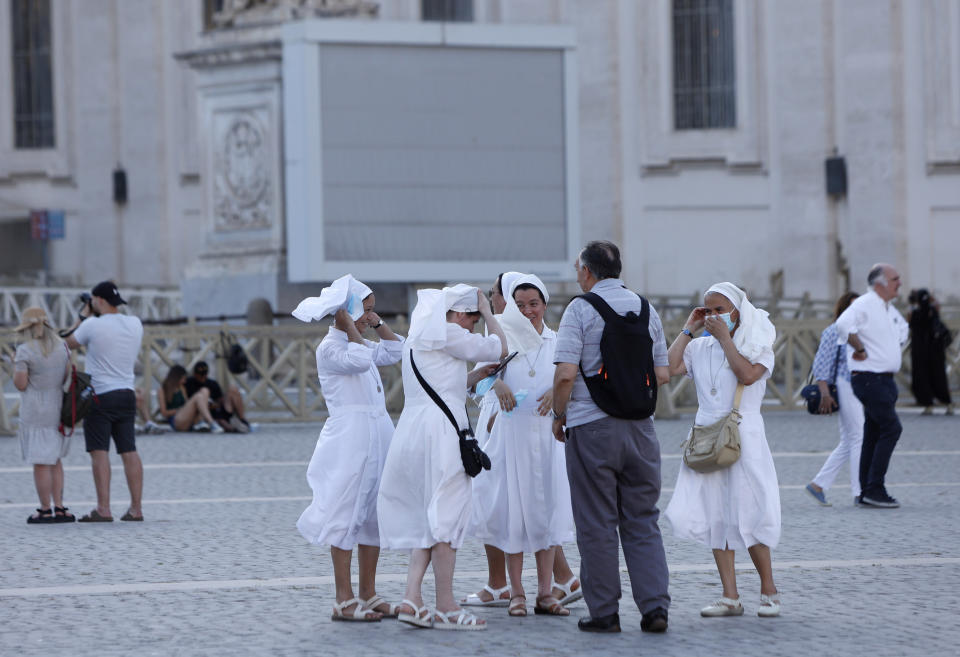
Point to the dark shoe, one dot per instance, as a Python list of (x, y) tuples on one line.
[(609, 623), (654, 621), (129, 517), (41, 517), (63, 514), (881, 501), (94, 516)]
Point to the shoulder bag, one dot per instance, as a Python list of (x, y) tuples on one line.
[(474, 459), (811, 391), (77, 400), (715, 446)]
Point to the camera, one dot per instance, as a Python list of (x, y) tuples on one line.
[(85, 298)]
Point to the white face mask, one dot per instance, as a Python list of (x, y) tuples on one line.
[(726, 320)]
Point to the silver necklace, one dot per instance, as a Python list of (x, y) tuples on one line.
[(713, 377), (533, 372)]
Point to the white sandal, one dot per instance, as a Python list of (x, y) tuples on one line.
[(376, 601), (417, 618), (459, 619), (359, 615), (769, 606), (569, 595), (474, 600)]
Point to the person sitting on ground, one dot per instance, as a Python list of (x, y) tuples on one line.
[(148, 426), (227, 409), (182, 410)]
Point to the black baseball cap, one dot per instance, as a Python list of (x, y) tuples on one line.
[(108, 292)]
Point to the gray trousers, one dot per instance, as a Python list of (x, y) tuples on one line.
[(614, 471)]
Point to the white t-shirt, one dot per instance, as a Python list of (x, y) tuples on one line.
[(112, 342)]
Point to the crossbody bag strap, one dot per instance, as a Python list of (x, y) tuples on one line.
[(439, 401), (836, 364), (737, 397)]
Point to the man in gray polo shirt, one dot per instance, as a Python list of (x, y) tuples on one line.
[(613, 463)]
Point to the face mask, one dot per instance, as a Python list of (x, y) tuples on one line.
[(726, 320)]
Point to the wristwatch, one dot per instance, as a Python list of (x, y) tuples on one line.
[(687, 332), (378, 325), (558, 416)]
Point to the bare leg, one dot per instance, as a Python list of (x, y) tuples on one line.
[(142, 410), (57, 482), (760, 554), (367, 557), (43, 480), (419, 560), (100, 460), (728, 572), (562, 572), (233, 402), (444, 560), (545, 559), (133, 468), (515, 571)]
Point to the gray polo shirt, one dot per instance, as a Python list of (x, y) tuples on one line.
[(578, 342)]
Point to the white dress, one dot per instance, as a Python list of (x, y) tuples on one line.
[(347, 462), (425, 496), (523, 503), (739, 506)]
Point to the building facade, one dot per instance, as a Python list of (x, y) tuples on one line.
[(701, 139)]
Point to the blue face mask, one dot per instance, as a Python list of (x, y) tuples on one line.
[(726, 320)]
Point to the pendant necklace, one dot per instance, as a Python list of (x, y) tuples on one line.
[(713, 377), (533, 372)]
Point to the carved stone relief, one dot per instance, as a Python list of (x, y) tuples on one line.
[(246, 12), (242, 194)]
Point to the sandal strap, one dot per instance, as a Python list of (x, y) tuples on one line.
[(358, 612), (464, 617), (378, 600), (417, 611), (496, 593), (566, 588), (45, 512)]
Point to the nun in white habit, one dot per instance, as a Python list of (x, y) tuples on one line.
[(344, 472), (737, 508), (425, 496), (524, 503)]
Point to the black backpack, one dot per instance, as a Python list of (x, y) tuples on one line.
[(237, 361), (626, 384)]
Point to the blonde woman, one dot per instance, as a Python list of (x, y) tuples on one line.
[(737, 508), (41, 367)]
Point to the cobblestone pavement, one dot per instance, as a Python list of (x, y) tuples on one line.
[(218, 568)]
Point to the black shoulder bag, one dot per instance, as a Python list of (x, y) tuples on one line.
[(811, 391), (474, 459)]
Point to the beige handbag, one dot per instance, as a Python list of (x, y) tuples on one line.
[(715, 446)]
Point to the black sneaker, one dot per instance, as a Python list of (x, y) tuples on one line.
[(609, 623), (654, 621), (881, 501)]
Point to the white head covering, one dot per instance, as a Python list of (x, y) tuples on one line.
[(756, 332), (522, 337), (345, 292), (428, 322)]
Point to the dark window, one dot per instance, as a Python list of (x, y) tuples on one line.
[(703, 64), (447, 10), (32, 74)]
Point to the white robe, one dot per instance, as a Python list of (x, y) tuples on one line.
[(425, 496), (739, 506), (347, 462), (523, 503)]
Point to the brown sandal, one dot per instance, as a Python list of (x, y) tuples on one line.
[(518, 608), (550, 606)]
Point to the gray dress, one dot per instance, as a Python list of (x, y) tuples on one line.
[(40, 440)]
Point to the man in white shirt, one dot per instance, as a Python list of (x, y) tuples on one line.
[(113, 341), (876, 331)]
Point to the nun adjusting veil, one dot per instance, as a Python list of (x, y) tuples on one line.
[(428, 322), (756, 332), (521, 336), (345, 292)]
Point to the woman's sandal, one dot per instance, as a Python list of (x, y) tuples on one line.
[(41, 517), (474, 599), (570, 595), (62, 515), (518, 608), (550, 606), (377, 601), (420, 617), (359, 615), (458, 619)]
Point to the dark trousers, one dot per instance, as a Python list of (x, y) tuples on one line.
[(614, 471), (881, 428)]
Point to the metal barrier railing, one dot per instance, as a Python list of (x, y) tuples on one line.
[(281, 384)]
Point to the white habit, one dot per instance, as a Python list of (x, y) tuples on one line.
[(739, 506), (425, 496), (523, 503), (345, 470)]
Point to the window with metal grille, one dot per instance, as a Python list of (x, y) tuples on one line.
[(211, 7), (447, 10), (32, 74), (704, 82)]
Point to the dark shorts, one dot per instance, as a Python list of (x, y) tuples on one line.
[(113, 416)]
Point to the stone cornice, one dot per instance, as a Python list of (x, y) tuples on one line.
[(232, 54)]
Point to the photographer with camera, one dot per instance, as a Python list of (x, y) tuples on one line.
[(112, 341)]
